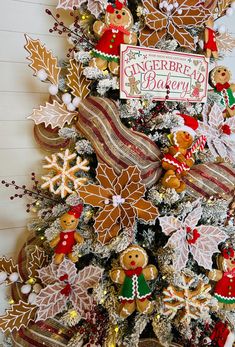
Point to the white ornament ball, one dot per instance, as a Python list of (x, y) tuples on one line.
[(25, 289), (66, 98), (14, 277), (32, 298), (229, 12), (222, 29), (3, 276), (180, 11), (53, 89), (171, 7), (233, 5), (176, 4), (76, 101), (37, 288), (161, 5), (42, 75), (71, 107)]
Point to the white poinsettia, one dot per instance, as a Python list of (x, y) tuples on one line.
[(220, 132), (187, 237)]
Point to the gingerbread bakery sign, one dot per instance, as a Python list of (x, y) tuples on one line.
[(153, 72)]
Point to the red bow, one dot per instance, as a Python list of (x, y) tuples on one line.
[(219, 86), (111, 8), (136, 271)]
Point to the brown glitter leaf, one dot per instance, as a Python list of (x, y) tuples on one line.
[(77, 81), (42, 59), (182, 36), (19, 315), (8, 266), (37, 260)]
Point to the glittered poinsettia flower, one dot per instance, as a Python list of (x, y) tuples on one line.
[(174, 18), (220, 132), (121, 200), (63, 285), (96, 7), (188, 237)]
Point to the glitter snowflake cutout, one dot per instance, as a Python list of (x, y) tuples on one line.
[(187, 301), (63, 178)]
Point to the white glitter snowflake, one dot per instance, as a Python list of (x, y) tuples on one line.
[(62, 178)]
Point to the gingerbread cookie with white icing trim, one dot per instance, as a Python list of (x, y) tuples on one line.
[(133, 275)]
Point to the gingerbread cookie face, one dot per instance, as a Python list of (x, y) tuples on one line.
[(183, 139), (134, 257), (228, 262), (68, 222), (120, 17), (219, 75)]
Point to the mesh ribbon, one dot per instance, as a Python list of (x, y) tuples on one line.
[(114, 144), (211, 180)]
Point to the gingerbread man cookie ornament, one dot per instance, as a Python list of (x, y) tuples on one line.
[(220, 80), (115, 30), (177, 161), (133, 275), (225, 278), (68, 237)]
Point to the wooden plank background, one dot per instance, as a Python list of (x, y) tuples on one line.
[(20, 92)]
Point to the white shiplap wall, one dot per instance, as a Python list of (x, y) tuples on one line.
[(19, 94)]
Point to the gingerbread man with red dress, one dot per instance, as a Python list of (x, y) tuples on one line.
[(225, 278), (68, 237)]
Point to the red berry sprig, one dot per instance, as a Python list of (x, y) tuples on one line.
[(34, 192)]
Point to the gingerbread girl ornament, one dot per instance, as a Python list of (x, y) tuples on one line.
[(210, 45), (133, 276), (115, 30), (225, 277), (68, 237), (179, 158)]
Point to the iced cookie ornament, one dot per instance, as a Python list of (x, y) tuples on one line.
[(220, 80), (179, 158), (133, 275), (224, 290), (115, 30), (68, 237)]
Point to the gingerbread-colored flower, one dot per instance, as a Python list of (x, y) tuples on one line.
[(121, 200), (173, 19)]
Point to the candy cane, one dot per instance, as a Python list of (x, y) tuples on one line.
[(198, 145)]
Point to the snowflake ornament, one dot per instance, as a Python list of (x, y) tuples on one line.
[(96, 7), (220, 132), (64, 285), (63, 178), (187, 301), (201, 241)]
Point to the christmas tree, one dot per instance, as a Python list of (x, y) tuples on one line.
[(133, 236)]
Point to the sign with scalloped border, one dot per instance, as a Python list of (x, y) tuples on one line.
[(148, 71)]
